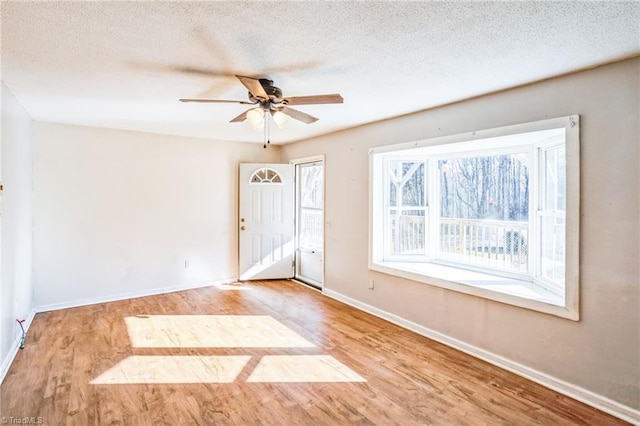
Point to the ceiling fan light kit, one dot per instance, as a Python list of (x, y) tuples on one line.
[(265, 97), (255, 117), (279, 118)]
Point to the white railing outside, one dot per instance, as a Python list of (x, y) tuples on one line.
[(485, 243), (310, 229), (488, 243), (407, 234)]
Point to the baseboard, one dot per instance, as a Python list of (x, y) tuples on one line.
[(600, 402), (131, 295), (15, 347)]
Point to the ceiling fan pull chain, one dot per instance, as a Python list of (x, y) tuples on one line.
[(267, 119), (265, 138)]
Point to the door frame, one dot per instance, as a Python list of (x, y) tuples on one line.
[(320, 158)]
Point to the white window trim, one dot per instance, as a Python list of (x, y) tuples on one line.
[(506, 290)]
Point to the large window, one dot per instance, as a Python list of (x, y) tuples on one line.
[(485, 213)]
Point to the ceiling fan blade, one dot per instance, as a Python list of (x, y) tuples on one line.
[(240, 118), (334, 98), (216, 101), (299, 115), (254, 86)]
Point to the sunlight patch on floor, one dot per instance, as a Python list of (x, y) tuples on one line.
[(302, 368), (232, 286), (220, 331), (211, 331), (173, 369)]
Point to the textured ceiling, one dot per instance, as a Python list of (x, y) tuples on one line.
[(125, 64)]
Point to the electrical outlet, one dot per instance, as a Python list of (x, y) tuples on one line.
[(186, 264), (371, 284)]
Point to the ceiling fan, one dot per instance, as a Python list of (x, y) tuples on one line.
[(268, 98)]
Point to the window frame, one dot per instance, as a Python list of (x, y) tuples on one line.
[(542, 296), (387, 214)]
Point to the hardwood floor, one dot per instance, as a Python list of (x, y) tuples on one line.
[(264, 353)]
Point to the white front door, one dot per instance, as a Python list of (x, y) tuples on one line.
[(266, 221)]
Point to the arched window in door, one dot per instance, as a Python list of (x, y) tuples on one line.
[(265, 175)]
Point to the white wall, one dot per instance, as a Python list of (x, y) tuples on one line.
[(601, 352), (119, 212), (16, 174)]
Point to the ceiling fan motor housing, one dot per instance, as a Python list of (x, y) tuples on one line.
[(274, 93)]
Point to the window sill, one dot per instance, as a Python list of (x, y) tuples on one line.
[(493, 287)]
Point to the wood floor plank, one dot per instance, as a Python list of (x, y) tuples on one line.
[(133, 362)]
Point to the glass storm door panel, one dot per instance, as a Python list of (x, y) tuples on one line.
[(266, 221), (309, 222)]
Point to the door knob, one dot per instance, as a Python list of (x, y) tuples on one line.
[(242, 228)]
